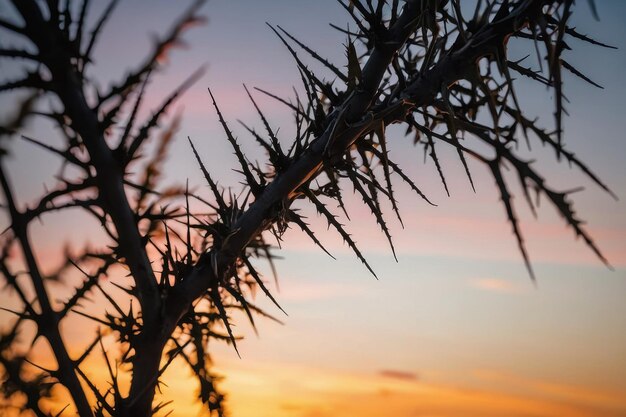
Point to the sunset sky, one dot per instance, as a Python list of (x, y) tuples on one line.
[(456, 327)]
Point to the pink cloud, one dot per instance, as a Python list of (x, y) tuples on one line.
[(495, 285)]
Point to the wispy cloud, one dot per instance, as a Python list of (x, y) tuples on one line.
[(463, 237), (496, 285), (402, 375)]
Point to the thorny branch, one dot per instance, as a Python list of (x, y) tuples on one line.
[(446, 76)]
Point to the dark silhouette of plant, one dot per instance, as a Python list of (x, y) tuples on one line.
[(444, 74)]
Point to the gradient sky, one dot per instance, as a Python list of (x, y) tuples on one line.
[(456, 327)]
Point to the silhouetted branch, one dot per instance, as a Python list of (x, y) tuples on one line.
[(425, 65)]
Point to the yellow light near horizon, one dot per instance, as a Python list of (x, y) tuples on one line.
[(256, 389)]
